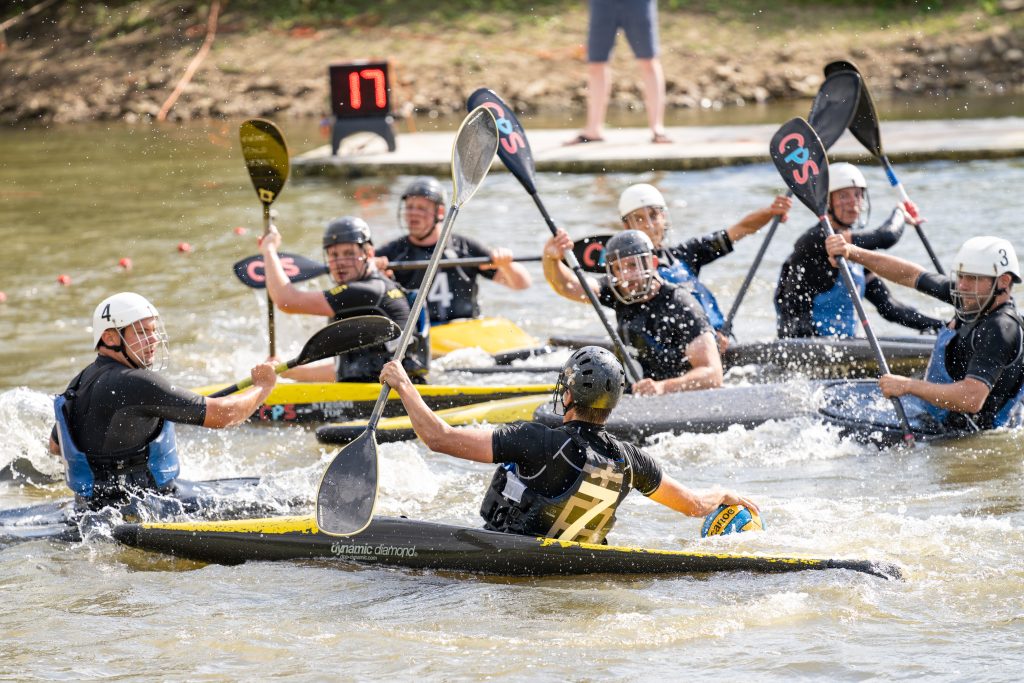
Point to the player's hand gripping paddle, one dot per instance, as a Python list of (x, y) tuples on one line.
[(514, 152), (800, 158), (266, 157), (348, 490)]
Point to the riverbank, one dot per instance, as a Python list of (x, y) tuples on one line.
[(121, 61)]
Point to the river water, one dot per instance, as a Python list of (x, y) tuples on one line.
[(76, 200)]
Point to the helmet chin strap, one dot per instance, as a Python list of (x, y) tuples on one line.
[(121, 349)]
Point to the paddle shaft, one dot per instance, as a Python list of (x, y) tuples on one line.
[(456, 262), (727, 327), (247, 382), (271, 331), (890, 173), (633, 375), (883, 365), (414, 314)]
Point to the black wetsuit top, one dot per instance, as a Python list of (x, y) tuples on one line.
[(118, 410), (659, 329), (533, 448), (454, 291), (375, 294), (989, 350), (696, 252), (807, 273)]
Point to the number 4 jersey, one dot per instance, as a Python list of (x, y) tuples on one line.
[(454, 291)]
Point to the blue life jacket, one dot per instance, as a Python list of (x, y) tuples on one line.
[(161, 456), (679, 273), (833, 312), (1009, 414)]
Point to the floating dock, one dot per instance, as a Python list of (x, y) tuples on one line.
[(630, 150)]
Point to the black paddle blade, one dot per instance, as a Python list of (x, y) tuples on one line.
[(800, 158), (834, 106), (513, 147), (298, 268), (589, 252), (348, 335), (348, 490), (840, 65), (266, 157), (473, 154), (864, 125)]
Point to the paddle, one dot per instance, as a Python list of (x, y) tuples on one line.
[(514, 152), (348, 490), (800, 159), (299, 268), (865, 128), (832, 111), (337, 338), (266, 157)]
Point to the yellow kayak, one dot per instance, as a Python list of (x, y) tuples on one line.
[(498, 411), (332, 401), (496, 336)]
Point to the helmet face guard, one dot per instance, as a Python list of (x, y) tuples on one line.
[(430, 190), (863, 206), (346, 268), (972, 304), (632, 278), (653, 221)]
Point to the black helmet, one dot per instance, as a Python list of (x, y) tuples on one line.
[(595, 377), (628, 243), (425, 186), (347, 230)]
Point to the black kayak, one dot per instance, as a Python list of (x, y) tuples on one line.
[(214, 499), (401, 542), (822, 357), (856, 407)]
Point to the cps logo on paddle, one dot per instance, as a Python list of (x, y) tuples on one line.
[(798, 156), (510, 139)]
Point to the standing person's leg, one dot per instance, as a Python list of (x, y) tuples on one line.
[(642, 33), (654, 96), (603, 26)]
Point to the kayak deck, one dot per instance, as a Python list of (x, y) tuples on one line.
[(813, 357), (856, 407), (413, 544)]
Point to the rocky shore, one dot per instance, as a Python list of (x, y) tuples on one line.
[(64, 66)]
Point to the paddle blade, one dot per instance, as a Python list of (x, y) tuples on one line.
[(589, 252), (348, 490), (864, 125), (800, 159), (473, 153), (835, 105), (348, 335), (298, 268), (266, 157), (513, 147)]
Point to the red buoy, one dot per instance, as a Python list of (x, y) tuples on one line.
[(241, 230), (63, 280), (184, 247), (125, 263), (3, 298)]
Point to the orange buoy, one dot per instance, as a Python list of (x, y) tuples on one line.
[(184, 247), (63, 280)]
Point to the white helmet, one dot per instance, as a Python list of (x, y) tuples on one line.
[(842, 175), (988, 256), (122, 310), (638, 197)]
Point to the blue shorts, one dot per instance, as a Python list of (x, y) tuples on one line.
[(639, 20)]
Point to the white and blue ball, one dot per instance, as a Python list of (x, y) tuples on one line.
[(730, 519)]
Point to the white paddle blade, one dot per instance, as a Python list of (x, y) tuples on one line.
[(473, 153)]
